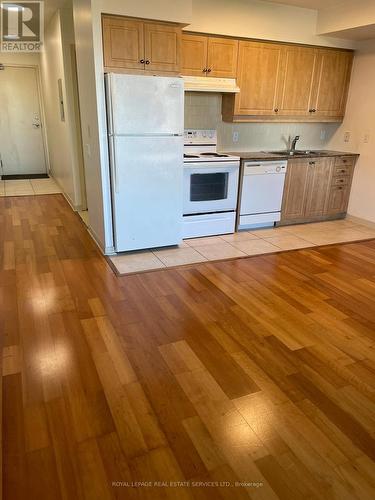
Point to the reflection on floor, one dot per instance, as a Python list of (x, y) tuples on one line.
[(243, 244), (28, 187)]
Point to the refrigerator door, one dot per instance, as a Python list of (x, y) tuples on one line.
[(146, 191), (145, 105)]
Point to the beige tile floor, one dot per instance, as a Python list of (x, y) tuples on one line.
[(28, 187), (244, 243)]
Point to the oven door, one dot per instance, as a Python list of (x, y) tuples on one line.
[(210, 187)]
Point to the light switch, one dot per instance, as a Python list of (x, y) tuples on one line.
[(235, 136), (366, 138), (347, 137)]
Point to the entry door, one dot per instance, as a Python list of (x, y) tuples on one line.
[(21, 140)]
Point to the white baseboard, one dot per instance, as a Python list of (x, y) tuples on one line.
[(359, 220)]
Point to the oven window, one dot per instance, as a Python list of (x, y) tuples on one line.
[(209, 187)]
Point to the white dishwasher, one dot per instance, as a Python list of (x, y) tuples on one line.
[(262, 193)]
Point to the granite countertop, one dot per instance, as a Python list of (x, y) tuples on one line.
[(261, 155)]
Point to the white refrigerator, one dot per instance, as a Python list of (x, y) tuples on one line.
[(145, 134)]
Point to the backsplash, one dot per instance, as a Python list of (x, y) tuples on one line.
[(203, 111)]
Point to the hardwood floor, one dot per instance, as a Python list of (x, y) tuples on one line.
[(258, 371)]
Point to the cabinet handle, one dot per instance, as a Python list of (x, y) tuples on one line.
[(341, 180), (142, 61), (311, 162), (148, 62), (340, 188), (209, 70), (343, 171), (276, 110), (205, 70), (344, 161)]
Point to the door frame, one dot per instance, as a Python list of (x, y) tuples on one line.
[(41, 105)]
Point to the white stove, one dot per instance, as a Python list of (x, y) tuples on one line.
[(210, 186)]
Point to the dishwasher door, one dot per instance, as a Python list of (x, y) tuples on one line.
[(262, 188)]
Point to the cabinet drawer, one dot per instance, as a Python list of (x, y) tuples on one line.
[(340, 181), (342, 161), (341, 171)]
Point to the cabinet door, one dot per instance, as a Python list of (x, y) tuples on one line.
[(222, 57), (123, 43), (295, 190), (258, 76), (298, 69), (319, 178), (332, 83), (193, 55), (162, 47), (338, 200)]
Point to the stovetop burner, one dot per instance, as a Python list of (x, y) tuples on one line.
[(190, 156)]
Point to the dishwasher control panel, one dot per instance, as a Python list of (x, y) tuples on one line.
[(265, 167)]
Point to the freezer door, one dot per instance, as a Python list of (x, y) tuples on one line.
[(144, 105), (147, 191)]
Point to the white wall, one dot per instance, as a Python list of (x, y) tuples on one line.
[(359, 121), (62, 137), (346, 15), (257, 19)]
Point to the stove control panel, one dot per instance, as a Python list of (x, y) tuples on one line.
[(200, 137)]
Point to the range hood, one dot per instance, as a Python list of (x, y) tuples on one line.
[(210, 84)]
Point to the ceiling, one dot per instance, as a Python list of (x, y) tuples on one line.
[(311, 4)]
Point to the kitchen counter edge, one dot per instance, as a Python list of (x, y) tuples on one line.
[(261, 155)]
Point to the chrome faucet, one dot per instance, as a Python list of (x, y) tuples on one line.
[(294, 142)]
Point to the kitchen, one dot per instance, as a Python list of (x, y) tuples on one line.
[(208, 330), (227, 84)]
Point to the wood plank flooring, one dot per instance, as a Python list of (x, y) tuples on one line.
[(258, 371)]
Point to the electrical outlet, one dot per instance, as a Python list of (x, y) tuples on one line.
[(236, 136), (347, 137), (366, 138), (323, 134)]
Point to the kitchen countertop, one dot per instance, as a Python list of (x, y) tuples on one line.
[(261, 155)]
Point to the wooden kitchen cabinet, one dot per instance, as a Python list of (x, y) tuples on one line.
[(318, 184), (299, 68), (193, 55), (132, 44), (289, 83), (331, 83), (162, 47), (123, 43), (209, 56), (316, 189), (258, 76), (295, 191), (338, 200)]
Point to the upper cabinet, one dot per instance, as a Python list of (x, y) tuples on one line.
[(131, 44), (298, 70), (209, 56), (277, 81), (332, 83), (289, 83), (259, 72), (123, 43)]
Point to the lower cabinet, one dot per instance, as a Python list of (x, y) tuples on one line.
[(317, 189)]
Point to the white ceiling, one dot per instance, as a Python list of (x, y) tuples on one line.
[(311, 4)]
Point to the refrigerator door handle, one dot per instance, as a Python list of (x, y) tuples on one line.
[(113, 163)]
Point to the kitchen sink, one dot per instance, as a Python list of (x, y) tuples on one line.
[(297, 153)]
